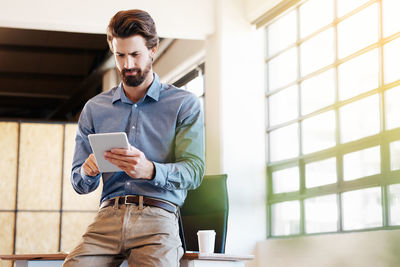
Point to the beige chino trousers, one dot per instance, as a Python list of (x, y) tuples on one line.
[(145, 237)]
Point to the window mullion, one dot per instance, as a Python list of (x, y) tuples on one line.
[(339, 154), (301, 162)]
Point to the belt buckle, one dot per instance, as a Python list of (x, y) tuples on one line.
[(125, 200)]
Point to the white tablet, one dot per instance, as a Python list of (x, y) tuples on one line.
[(103, 142)]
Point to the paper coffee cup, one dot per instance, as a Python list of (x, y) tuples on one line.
[(206, 239)]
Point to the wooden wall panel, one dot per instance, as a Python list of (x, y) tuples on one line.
[(71, 199), (6, 263), (37, 232), (8, 164), (6, 232), (74, 225), (39, 179)]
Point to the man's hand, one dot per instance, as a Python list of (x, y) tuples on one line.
[(133, 162), (90, 167)]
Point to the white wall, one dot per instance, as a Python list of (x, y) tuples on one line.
[(190, 19)]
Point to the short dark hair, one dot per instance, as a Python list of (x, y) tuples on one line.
[(127, 23)]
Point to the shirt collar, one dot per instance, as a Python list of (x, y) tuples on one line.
[(153, 91), (155, 88)]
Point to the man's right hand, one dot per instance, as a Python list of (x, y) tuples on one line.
[(90, 167)]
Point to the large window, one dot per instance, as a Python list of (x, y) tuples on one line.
[(333, 109), (194, 81)]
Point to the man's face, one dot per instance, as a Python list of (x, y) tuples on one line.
[(133, 59)]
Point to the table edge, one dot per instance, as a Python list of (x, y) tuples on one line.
[(187, 256)]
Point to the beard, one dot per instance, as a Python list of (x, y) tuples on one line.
[(138, 78)]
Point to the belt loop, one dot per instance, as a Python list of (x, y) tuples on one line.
[(116, 203), (140, 202)]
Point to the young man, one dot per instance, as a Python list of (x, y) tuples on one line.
[(138, 217)]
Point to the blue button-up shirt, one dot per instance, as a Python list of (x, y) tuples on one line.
[(167, 125)]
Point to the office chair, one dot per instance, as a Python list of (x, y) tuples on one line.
[(205, 208)]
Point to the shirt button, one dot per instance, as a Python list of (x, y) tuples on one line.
[(128, 183), (156, 183), (135, 105), (89, 180), (133, 127)]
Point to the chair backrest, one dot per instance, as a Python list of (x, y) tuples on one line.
[(206, 208)]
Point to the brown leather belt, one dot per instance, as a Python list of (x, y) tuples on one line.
[(147, 201)]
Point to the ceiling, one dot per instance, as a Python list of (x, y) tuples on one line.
[(49, 75)]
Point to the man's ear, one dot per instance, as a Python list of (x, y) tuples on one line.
[(153, 51)]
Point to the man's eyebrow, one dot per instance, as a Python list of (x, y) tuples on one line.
[(130, 53)]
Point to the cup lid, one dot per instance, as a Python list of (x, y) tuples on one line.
[(206, 231)]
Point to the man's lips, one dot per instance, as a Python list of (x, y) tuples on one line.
[(130, 72)]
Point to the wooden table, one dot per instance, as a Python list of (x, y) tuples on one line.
[(189, 259)]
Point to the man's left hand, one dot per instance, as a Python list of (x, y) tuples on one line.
[(132, 161)]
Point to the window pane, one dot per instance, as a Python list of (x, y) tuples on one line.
[(321, 173), (391, 18), (283, 106), (321, 214), (282, 33), (361, 163), (392, 61), (392, 108), (317, 52), (284, 143), (310, 21), (201, 99), (282, 70), (395, 155), (286, 180), (345, 6), (362, 209), (360, 119), (318, 132), (394, 201), (358, 75), (285, 218), (318, 92), (196, 86), (358, 31)]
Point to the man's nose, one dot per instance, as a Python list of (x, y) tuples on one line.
[(129, 62)]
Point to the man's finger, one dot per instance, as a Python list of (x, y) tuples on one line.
[(88, 170), (90, 166), (93, 166), (128, 159), (132, 151), (120, 163)]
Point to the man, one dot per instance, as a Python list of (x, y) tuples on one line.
[(138, 217)]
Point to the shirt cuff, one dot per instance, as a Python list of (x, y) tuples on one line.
[(89, 180), (160, 178)]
